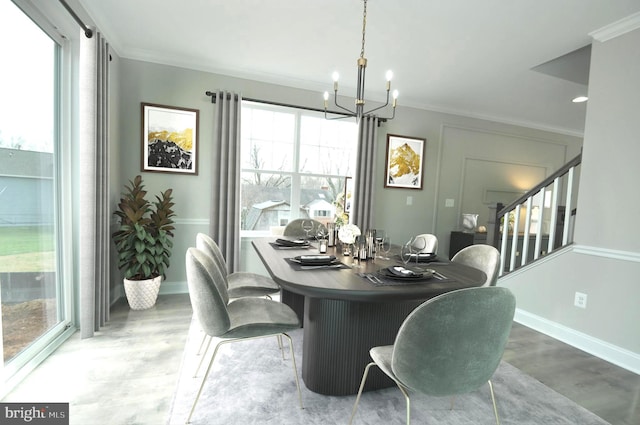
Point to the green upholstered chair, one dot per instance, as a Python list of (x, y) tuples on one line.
[(240, 284), (294, 228), (240, 319), (482, 257), (451, 344)]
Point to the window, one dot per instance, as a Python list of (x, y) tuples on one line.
[(294, 164), (33, 305)]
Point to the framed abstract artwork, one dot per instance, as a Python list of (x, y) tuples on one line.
[(169, 139), (404, 162)]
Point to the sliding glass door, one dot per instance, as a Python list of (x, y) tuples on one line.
[(31, 293)]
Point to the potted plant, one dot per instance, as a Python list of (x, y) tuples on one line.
[(143, 242)]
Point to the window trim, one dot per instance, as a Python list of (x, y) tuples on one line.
[(295, 175)]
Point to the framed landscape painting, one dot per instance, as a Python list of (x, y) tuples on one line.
[(169, 139), (404, 162)]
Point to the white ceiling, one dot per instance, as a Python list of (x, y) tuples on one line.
[(463, 56)]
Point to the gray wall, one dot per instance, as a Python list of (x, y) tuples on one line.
[(451, 140), (459, 150), (605, 261)]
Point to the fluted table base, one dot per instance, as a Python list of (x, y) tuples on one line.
[(338, 335)]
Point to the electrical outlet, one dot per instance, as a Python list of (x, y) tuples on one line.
[(449, 203), (580, 300), (409, 200)]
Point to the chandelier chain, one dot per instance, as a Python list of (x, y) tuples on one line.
[(364, 26)]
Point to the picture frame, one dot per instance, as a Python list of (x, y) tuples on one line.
[(404, 162), (169, 139)]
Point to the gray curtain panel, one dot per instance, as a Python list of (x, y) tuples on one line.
[(225, 197), (93, 184), (362, 215)]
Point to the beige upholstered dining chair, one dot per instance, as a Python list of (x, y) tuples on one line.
[(451, 344), (482, 257), (238, 320)]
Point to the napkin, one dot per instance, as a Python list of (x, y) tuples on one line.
[(402, 272), (287, 242)]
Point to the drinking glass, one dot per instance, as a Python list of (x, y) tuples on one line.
[(379, 238), (386, 246), (307, 226), (322, 232), (419, 244), (407, 250)]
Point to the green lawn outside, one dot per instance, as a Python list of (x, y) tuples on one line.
[(27, 249), (26, 239)]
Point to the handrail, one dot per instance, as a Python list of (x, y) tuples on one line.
[(549, 218), (544, 183)]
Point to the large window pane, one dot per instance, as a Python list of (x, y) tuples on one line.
[(327, 147), (294, 165), (267, 139), (28, 255), (266, 200)]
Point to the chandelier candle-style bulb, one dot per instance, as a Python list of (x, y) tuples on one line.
[(335, 77), (389, 77), (359, 111)]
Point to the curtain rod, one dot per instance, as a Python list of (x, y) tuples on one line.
[(288, 105), (88, 32)]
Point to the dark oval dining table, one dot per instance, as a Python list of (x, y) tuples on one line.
[(345, 314)]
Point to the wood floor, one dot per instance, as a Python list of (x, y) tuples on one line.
[(130, 369)]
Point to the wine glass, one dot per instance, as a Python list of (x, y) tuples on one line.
[(385, 246), (418, 246), (407, 250), (379, 238), (307, 226), (322, 232)]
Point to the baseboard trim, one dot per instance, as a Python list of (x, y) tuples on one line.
[(170, 288), (604, 350)]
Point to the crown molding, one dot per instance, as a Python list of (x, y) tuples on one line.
[(618, 28)]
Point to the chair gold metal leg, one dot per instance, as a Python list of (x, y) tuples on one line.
[(204, 379), (364, 379), (280, 346), (406, 397), (204, 353), (215, 352), (493, 399), (295, 367), (204, 338)]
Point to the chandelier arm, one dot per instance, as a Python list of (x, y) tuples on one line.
[(384, 119), (335, 101), (340, 117), (359, 100), (379, 107)]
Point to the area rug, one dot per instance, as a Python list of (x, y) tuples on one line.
[(250, 383)]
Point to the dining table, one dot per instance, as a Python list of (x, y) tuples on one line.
[(347, 306)]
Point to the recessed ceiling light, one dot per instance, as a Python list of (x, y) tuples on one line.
[(580, 99)]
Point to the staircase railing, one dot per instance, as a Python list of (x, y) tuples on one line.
[(539, 222)]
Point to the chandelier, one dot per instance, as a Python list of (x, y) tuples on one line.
[(359, 101)]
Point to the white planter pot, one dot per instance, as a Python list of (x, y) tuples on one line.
[(142, 294)]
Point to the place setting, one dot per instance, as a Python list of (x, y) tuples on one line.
[(316, 262), (281, 243), (401, 275)]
